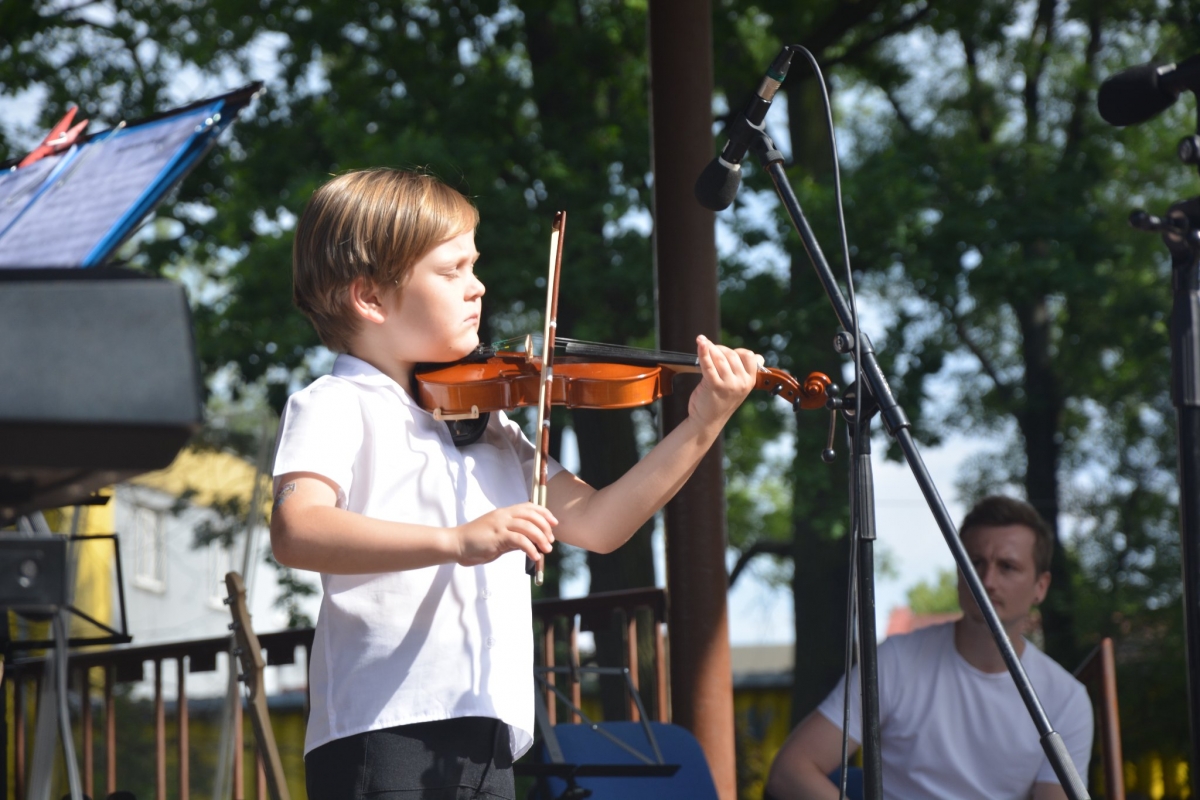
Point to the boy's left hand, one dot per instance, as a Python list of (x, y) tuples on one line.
[(727, 376)]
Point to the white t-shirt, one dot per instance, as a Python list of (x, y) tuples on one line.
[(950, 730), (426, 644)]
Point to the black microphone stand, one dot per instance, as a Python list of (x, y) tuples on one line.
[(896, 422), (862, 500), (1181, 234)]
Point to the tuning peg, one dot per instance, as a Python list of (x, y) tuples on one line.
[(227, 600), (828, 455), (237, 651), (833, 403), (241, 678), (233, 626)]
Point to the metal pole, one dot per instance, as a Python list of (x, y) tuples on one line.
[(685, 261), (1181, 234), (1183, 241), (863, 490)]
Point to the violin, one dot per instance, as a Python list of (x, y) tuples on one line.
[(507, 375)]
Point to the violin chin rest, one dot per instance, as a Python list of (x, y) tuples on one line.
[(467, 431)]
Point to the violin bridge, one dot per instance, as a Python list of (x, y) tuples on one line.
[(442, 416)]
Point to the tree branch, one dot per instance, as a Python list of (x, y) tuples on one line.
[(899, 26), (846, 17), (1045, 23), (1080, 100), (767, 546), (975, 89), (960, 327), (905, 120)]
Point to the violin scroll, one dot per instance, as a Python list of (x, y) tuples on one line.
[(808, 395), (815, 392)]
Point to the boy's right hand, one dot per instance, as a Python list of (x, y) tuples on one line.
[(525, 527)]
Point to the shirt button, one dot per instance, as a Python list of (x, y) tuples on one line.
[(489, 642), (485, 594)]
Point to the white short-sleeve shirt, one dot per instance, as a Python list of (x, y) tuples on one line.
[(951, 730), (442, 642)]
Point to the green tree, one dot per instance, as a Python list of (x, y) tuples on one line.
[(939, 596), (783, 312), (989, 203)]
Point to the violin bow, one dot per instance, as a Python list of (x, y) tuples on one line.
[(541, 457)]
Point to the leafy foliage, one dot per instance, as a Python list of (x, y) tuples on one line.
[(989, 208), (939, 596), (986, 201)]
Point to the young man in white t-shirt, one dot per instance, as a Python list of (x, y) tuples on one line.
[(951, 721), (421, 672)]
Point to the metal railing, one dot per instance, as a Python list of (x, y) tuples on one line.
[(22, 678), (601, 608), (127, 665)]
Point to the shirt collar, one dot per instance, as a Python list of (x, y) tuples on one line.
[(358, 371)]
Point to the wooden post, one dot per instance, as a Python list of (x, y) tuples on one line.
[(260, 774), (576, 688), (184, 722), (160, 735), (548, 658), (685, 261), (19, 736), (110, 731), (239, 790), (631, 659), (660, 671), (85, 723)]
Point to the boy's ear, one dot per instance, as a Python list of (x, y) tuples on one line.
[(367, 300)]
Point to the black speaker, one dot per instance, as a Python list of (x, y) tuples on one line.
[(98, 383), (33, 572)]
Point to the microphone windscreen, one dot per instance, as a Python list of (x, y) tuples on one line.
[(1134, 95), (718, 185)]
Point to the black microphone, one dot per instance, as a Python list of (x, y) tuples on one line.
[(1143, 92), (718, 183)]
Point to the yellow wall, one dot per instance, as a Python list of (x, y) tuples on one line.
[(763, 721), (210, 476)]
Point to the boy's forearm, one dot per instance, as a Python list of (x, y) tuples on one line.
[(340, 542), (605, 519)]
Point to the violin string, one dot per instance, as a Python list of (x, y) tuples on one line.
[(582, 348), (578, 347)]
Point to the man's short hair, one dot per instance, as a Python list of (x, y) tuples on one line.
[(372, 224), (997, 511)]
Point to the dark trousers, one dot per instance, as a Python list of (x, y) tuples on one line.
[(453, 759)]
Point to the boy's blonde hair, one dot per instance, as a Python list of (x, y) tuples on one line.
[(372, 224)]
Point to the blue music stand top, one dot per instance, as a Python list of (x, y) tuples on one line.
[(74, 209)]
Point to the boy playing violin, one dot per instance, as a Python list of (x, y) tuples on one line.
[(421, 670)]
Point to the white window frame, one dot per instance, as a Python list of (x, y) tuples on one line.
[(220, 561), (149, 545)]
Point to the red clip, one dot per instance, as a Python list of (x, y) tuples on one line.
[(58, 139)]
